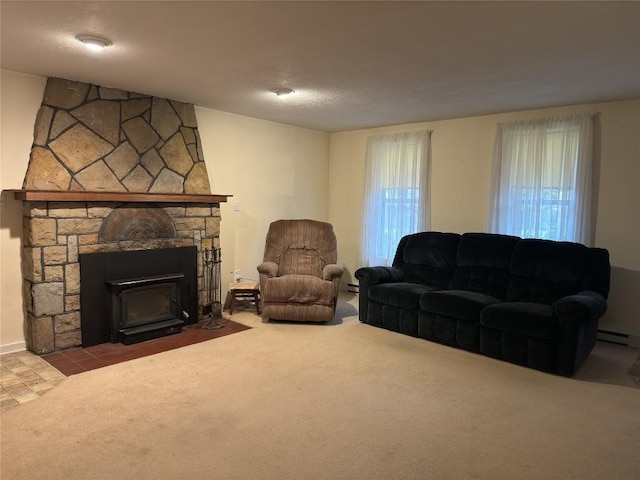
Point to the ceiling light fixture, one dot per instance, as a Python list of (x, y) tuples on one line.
[(95, 44), (283, 92)]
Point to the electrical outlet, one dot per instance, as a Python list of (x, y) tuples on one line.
[(236, 275), (236, 206)]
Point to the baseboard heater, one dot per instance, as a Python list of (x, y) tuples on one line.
[(353, 288), (619, 338)]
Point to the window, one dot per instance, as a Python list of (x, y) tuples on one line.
[(542, 179), (396, 192)]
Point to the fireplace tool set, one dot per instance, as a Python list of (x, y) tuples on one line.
[(212, 258)]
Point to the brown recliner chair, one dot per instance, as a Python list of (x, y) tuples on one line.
[(299, 278)]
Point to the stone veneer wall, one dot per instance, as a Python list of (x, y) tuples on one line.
[(92, 138), (56, 233)]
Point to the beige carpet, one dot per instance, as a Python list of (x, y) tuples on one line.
[(341, 401)]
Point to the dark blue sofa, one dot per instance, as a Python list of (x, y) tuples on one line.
[(531, 302)]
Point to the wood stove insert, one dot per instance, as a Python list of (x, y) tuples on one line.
[(134, 296), (145, 308)]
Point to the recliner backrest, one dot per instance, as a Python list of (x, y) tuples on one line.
[(428, 258), (301, 247), (483, 262)]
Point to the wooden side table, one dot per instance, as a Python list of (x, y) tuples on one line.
[(244, 292)]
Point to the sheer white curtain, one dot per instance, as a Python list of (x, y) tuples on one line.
[(396, 192), (542, 178)]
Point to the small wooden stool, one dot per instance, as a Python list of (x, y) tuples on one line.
[(244, 292)]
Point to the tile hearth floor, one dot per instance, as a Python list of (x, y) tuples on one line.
[(26, 376)]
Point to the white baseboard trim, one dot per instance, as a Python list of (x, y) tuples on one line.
[(13, 347)]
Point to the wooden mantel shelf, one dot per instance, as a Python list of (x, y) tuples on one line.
[(80, 196)]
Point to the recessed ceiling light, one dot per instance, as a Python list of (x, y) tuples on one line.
[(283, 92), (96, 44)]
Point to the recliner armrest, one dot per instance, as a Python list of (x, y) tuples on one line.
[(332, 271), (268, 268), (376, 275), (586, 304)]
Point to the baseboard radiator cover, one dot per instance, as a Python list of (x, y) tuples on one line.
[(619, 338), (353, 288)]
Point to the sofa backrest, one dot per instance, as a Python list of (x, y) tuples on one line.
[(503, 266), (483, 261), (598, 276), (428, 258), (543, 271)]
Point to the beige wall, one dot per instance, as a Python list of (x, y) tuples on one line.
[(273, 171), (462, 152), (20, 99)]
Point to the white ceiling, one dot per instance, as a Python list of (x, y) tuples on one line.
[(353, 64)]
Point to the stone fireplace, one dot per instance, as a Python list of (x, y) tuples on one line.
[(109, 171)]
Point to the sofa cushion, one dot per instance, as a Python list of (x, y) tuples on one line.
[(428, 258), (543, 271), (401, 294), (483, 263), (298, 289), (521, 318), (458, 304)]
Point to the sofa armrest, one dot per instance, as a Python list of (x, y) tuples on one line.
[(586, 304), (376, 275), (578, 317), (368, 276)]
